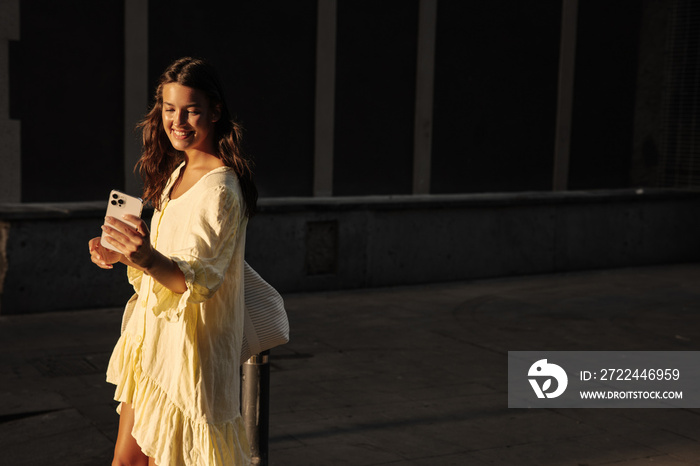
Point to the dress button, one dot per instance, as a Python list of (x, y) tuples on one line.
[(143, 303)]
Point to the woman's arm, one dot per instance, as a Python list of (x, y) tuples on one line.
[(136, 249)]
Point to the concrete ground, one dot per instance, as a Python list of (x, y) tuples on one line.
[(398, 376)]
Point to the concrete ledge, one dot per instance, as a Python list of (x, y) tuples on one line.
[(34, 211), (15, 211), (334, 243)]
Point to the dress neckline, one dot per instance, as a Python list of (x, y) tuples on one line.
[(176, 175)]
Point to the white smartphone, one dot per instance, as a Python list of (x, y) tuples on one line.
[(121, 204)]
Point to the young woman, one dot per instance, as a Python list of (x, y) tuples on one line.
[(176, 364)]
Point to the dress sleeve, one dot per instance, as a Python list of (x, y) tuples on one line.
[(135, 276), (210, 245)]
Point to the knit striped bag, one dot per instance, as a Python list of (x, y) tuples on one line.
[(265, 324)]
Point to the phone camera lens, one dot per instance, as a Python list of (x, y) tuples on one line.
[(120, 201), (114, 202), (114, 196)]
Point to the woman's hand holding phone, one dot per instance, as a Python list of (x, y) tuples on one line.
[(125, 237), (132, 242), (135, 249), (127, 244)]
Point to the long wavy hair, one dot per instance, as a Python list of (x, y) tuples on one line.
[(159, 158)]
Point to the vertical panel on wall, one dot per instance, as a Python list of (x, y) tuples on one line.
[(265, 52), (656, 37), (71, 99), (495, 95), (679, 155), (604, 94), (375, 96)]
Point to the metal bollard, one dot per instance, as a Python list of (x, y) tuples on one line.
[(255, 405)]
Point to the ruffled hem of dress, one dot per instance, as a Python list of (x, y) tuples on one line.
[(161, 428)]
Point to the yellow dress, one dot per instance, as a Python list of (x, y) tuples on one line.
[(178, 358)]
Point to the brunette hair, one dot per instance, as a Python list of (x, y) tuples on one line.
[(159, 158)]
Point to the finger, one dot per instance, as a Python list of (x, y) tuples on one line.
[(123, 227), (93, 250), (92, 244), (115, 238), (116, 223), (98, 252), (100, 263), (122, 243), (141, 227), (122, 237), (97, 256), (132, 218)]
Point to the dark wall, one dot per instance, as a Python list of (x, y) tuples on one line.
[(495, 91), (375, 97), (67, 91), (604, 94), (495, 95), (266, 54)]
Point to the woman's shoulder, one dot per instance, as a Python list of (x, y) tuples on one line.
[(222, 176), (222, 180)]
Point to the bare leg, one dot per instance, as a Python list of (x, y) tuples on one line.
[(127, 452), (152, 462)]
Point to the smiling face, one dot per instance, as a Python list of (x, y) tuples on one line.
[(189, 119)]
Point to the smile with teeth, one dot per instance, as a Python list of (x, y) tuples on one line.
[(180, 134)]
